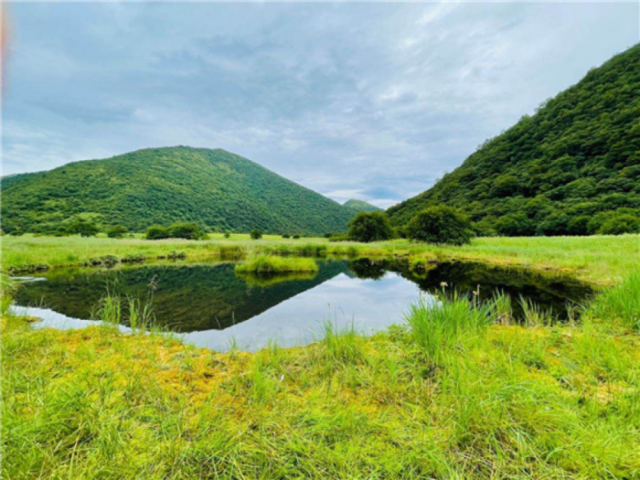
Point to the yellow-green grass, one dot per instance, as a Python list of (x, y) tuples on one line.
[(599, 259), (275, 264), (483, 401)]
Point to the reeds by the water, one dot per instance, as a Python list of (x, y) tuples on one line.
[(270, 264)]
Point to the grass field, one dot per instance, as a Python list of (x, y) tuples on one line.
[(600, 259), (457, 392)]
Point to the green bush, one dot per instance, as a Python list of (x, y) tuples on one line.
[(84, 228), (227, 234), (286, 235), (189, 231), (296, 236), (256, 234), (117, 231), (440, 225), (370, 227), (157, 232), (619, 224)]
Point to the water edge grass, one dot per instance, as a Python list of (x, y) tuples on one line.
[(271, 264)]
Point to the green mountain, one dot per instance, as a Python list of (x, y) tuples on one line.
[(160, 186), (573, 168), (361, 206)]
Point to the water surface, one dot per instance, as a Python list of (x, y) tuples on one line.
[(213, 307)]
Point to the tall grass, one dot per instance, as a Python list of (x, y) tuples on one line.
[(620, 303), (274, 264), (439, 326), (114, 310)]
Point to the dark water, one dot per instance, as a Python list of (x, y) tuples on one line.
[(213, 306)]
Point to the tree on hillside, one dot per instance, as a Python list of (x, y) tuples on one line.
[(619, 224), (370, 227), (256, 234), (440, 225)]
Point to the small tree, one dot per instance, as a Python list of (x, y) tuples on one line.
[(117, 231), (256, 234), (84, 228), (296, 236), (157, 232), (440, 225), (370, 227), (286, 235), (189, 231), (227, 234)]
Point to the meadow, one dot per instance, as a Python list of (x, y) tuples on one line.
[(458, 391), (604, 260)]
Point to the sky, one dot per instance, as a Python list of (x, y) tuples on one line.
[(374, 101)]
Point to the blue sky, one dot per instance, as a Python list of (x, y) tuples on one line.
[(354, 100)]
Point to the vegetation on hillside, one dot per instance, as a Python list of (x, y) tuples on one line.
[(361, 206), (573, 168), (214, 188)]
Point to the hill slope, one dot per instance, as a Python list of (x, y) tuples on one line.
[(161, 186), (361, 206), (565, 170)]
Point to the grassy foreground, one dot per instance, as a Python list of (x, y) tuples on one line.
[(460, 394), (599, 259)]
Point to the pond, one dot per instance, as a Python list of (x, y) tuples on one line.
[(213, 307)]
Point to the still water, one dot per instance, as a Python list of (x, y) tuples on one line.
[(211, 306)]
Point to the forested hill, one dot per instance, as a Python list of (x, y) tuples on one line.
[(361, 206), (571, 168), (160, 186)]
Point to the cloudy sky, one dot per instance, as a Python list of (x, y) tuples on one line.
[(354, 100)]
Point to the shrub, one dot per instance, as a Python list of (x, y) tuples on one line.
[(296, 236), (578, 226), (286, 235), (619, 224), (256, 234), (84, 228), (227, 234), (555, 224), (189, 231), (117, 231), (61, 231), (440, 225), (370, 227), (157, 232)]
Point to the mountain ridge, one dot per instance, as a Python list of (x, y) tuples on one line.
[(216, 188), (361, 206), (566, 170)]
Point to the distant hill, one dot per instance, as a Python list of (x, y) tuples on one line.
[(569, 169), (160, 186), (361, 206)]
